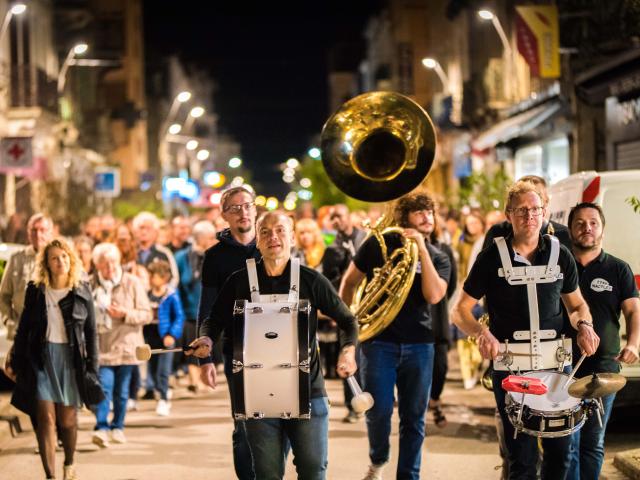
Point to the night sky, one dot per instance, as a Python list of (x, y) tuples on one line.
[(270, 66)]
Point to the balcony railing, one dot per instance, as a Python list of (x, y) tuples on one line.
[(31, 87)]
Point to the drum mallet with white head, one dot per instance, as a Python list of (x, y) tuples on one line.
[(144, 352), (361, 401)]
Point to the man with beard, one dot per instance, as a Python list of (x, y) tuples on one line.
[(608, 286), (402, 354), (235, 245)]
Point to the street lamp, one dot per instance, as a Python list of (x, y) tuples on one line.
[(196, 112), (489, 15), (78, 49), (16, 9), (433, 64)]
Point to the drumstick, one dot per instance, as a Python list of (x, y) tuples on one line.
[(144, 352), (573, 372)]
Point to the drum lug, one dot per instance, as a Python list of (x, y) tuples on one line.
[(285, 310), (285, 365), (237, 366), (285, 415), (257, 310), (258, 415), (305, 416), (255, 365), (239, 416), (238, 310), (304, 366)]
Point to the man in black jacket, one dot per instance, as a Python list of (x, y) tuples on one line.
[(235, 245), (309, 438)]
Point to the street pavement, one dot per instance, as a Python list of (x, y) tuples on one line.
[(195, 441)]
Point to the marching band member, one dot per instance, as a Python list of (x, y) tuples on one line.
[(308, 438), (509, 309), (608, 286), (402, 355)]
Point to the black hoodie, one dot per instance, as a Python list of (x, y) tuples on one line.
[(220, 261)]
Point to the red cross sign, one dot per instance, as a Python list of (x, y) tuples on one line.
[(15, 152)]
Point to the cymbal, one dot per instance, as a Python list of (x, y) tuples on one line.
[(597, 385)]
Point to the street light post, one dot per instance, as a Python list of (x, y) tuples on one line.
[(10, 178), (508, 51), (78, 49), (433, 64), (16, 9)]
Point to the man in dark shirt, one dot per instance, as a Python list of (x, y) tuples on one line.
[(235, 245), (550, 227), (402, 354), (335, 261), (508, 307), (608, 286), (308, 438)]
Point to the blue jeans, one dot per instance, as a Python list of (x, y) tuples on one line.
[(408, 366), (522, 453), (587, 445), (268, 439), (242, 458), (158, 371), (115, 384)]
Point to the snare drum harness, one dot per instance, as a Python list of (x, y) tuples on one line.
[(294, 285), (531, 276)]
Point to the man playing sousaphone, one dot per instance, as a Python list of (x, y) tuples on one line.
[(524, 305), (401, 355), (278, 274)]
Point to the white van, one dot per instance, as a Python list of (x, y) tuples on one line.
[(610, 190)]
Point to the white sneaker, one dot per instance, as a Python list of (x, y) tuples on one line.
[(169, 393), (374, 472), (100, 438), (470, 383), (163, 409), (132, 405), (117, 436)]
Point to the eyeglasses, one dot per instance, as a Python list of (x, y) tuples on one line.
[(238, 208), (525, 212)]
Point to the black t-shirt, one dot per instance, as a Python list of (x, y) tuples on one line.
[(605, 283), (508, 305), (313, 287), (413, 322)]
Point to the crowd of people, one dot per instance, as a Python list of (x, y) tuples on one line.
[(78, 307)]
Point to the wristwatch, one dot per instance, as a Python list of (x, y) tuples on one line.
[(584, 322)]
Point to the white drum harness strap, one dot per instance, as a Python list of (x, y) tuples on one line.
[(541, 355), (294, 287)]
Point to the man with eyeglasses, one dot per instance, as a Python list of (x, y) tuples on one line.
[(516, 307), (548, 226), (235, 245)]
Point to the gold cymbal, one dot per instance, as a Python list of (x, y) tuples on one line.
[(597, 385)]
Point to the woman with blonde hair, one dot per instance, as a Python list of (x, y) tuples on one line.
[(55, 357), (309, 242)]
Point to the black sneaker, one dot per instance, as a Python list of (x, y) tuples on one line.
[(148, 395)]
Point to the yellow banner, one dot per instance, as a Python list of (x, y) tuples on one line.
[(538, 34)]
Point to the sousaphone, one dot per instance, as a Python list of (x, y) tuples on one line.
[(377, 147)]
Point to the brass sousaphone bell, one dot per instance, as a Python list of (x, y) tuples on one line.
[(377, 147)]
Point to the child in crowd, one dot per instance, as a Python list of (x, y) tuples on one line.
[(163, 332)]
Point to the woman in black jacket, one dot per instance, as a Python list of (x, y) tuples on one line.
[(55, 357)]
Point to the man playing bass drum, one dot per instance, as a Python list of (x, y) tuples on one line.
[(402, 354)]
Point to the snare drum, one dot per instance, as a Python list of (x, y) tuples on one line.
[(271, 360), (553, 414)]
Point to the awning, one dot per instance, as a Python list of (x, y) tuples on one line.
[(516, 126)]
